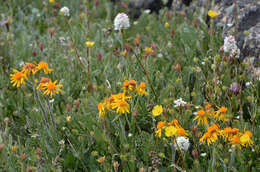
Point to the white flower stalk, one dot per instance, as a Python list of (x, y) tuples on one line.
[(65, 11), (230, 46), (121, 21), (182, 143), (179, 102)]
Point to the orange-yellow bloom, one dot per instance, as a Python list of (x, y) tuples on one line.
[(211, 135), (45, 67), (141, 89), (201, 117), (101, 109), (18, 78), (29, 68), (160, 126), (245, 139), (170, 131), (121, 106), (51, 88), (220, 114), (43, 81)]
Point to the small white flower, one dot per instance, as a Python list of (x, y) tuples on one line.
[(65, 11), (35, 135), (197, 107), (248, 84), (237, 117), (62, 142), (230, 46), (130, 135), (147, 11), (203, 63), (51, 101), (135, 22), (21, 63), (179, 102), (121, 21), (182, 143), (203, 154)]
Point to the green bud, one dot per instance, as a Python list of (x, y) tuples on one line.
[(224, 88), (70, 99), (75, 131), (94, 153), (195, 59), (213, 67), (127, 146), (245, 32), (165, 101), (123, 157), (249, 98), (193, 94), (218, 59), (226, 161), (220, 146), (161, 155), (171, 111), (179, 80), (157, 74), (92, 133)]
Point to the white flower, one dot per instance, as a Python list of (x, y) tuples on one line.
[(121, 21), (62, 142), (230, 46), (248, 84), (182, 143), (147, 11), (179, 102), (203, 154), (65, 11), (130, 134)]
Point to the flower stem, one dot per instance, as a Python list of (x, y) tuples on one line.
[(232, 158), (146, 74), (213, 159)]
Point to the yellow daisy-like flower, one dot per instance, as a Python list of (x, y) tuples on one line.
[(235, 141), (18, 78), (166, 24), (220, 114), (51, 1), (101, 159), (160, 126), (170, 131), (89, 44), (45, 67), (43, 81), (245, 139), (148, 50), (29, 68), (101, 109), (201, 117), (157, 110), (141, 89), (51, 88), (211, 135), (124, 53), (121, 106), (68, 118), (212, 14)]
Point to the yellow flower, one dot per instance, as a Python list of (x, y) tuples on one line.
[(202, 118), (51, 88), (246, 139), (51, 1), (211, 135), (43, 81), (89, 44), (18, 78), (170, 131), (68, 118), (101, 109), (121, 106), (14, 149), (141, 89), (166, 24), (124, 53), (148, 50), (157, 110), (101, 159), (220, 114), (45, 67), (29, 68), (212, 14), (160, 126)]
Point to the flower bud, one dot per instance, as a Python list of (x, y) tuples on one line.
[(51, 31), (195, 154), (6, 120), (116, 165), (23, 157), (34, 53), (99, 57), (41, 46), (235, 88), (2, 146), (76, 104), (142, 170), (38, 151)]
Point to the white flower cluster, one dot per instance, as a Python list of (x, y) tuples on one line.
[(230, 46), (121, 21), (179, 102), (65, 11), (182, 143)]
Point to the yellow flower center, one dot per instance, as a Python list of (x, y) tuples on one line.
[(18, 76), (51, 86), (201, 113), (122, 103)]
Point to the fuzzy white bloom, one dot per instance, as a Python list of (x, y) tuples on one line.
[(230, 46), (179, 102), (121, 21), (65, 11), (182, 143), (203, 154)]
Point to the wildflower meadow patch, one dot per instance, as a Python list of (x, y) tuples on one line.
[(86, 86)]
